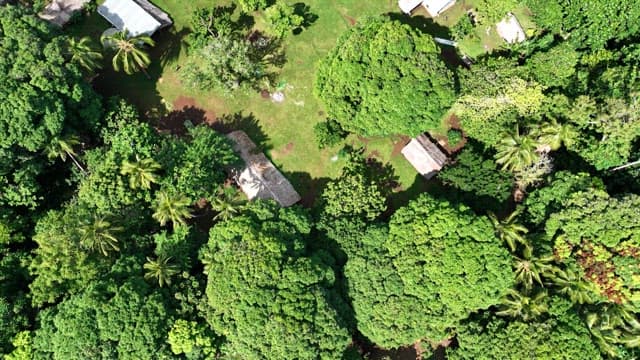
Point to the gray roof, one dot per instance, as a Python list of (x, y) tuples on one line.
[(260, 178), (425, 155)]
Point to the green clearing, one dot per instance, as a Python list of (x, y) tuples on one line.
[(284, 130)]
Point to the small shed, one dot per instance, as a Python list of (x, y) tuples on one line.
[(511, 30), (260, 178), (137, 16), (59, 12), (425, 155), (407, 6)]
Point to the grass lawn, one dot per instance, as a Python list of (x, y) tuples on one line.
[(285, 130)]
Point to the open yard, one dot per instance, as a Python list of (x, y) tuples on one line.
[(284, 130)]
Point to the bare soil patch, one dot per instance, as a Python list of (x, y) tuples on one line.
[(184, 109)]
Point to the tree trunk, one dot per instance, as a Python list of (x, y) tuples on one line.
[(633, 163), (73, 158)]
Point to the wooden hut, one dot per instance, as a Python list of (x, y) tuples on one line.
[(259, 178), (425, 155)]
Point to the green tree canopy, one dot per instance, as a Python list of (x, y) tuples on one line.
[(385, 78), (266, 298), (563, 338), (601, 234), (435, 264)]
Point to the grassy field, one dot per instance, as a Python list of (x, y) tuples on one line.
[(284, 130)]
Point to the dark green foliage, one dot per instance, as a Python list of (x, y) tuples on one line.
[(492, 11), (43, 93), (454, 136), (462, 28), (562, 338), (274, 302), (437, 263), (475, 173), (126, 322), (328, 133), (385, 78)]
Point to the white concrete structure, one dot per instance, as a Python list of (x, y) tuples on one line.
[(511, 30), (425, 156), (433, 7), (137, 16)]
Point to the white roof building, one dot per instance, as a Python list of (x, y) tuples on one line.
[(424, 155), (511, 30), (137, 16), (433, 7)]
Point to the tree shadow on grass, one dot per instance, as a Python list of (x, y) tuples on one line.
[(174, 121), (247, 123), (309, 188), (304, 10), (170, 45)]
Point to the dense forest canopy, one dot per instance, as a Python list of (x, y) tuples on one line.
[(125, 233)]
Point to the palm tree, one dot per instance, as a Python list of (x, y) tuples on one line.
[(530, 271), (84, 54), (569, 283), (62, 147), (613, 325), (516, 152), (141, 172), (130, 55), (227, 204), (554, 135), (516, 305), (98, 235), (160, 269), (174, 208), (510, 232)]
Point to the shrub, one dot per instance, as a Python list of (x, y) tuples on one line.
[(252, 5), (328, 133), (462, 28), (282, 19), (454, 136)]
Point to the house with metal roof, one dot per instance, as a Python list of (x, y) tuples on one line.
[(137, 16), (425, 155), (433, 7)]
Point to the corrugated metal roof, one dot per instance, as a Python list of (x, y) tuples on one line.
[(425, 156), (128, 14)]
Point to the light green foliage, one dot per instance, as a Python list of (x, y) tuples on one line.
[(477, 174), (252, 5), (171, 207), (562, 338), (199, 163), (267, 299), (462, 28), (194, 340), (61, 265), (438, 263), (607, 132), (591, 23), (492, 11), (486, 113), (353, 194), (125, 322), (602, 235), (554, 67), (549, 199), (84, 54), (282, 19), (23, 347), (225, 62), (130, 51), (385, 78), (106, 188), (516, 152)]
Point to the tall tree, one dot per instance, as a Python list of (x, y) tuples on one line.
[(98, 235), (160, 269), (266, 297), (385, 78), (436, 263)]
